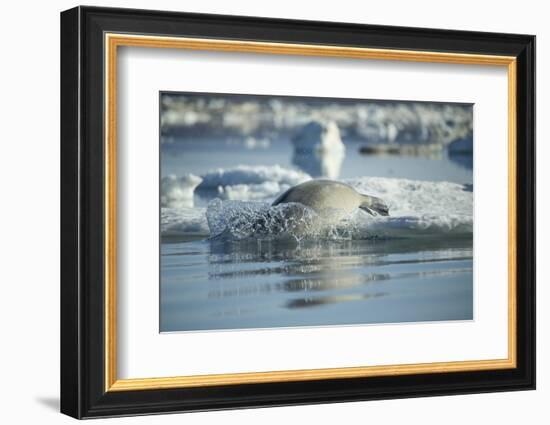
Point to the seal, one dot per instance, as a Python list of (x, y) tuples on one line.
[(290, 214), (322, 195)]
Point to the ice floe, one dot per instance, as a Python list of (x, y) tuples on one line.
[(178, 191), (249, 182), (417, 208)]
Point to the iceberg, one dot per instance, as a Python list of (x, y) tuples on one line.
[(318, 149), (318, 136)]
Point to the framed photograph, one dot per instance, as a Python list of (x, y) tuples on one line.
[(261, 212)]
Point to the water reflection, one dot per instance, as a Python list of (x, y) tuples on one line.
[(320, 301), (263, 284), (320, 267), (318, 149)]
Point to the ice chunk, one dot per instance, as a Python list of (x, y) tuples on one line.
[(250, 182), (178, 191), (318, 136)]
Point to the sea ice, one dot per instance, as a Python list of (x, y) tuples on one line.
[(178, 191), (250, 182), (417, 208)]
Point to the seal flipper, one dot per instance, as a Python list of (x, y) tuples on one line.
[(374, 205)]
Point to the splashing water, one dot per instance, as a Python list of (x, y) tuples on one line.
[(239, 220)]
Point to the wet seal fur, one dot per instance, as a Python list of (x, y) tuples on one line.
[(321, 195)]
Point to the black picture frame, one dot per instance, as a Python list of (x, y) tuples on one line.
[(83, 392)]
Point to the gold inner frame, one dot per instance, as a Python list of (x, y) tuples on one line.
[(113, 41)]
